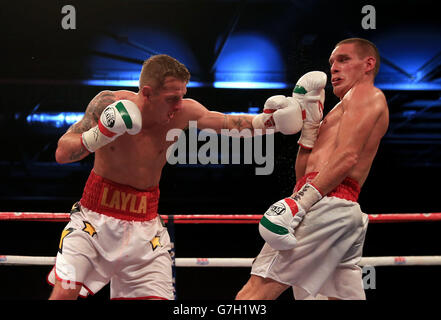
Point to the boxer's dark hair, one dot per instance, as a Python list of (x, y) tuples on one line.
[(364, 48), (156, 68)]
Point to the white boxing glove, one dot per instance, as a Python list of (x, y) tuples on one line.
[(309, 92), (283, 114), (116, 119), (278, 223)]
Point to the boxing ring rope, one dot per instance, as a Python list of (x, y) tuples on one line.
[(218, 218), (227, 219), (237, 262)]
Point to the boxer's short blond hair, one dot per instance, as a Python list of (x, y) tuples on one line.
[(158, 67), (364, 48)]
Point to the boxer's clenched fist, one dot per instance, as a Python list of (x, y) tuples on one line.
[(278, 223), (283, 114), (309, 92), (116, 119)]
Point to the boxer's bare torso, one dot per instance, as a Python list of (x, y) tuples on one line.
[(133, 160), (138, 160), (330, 130)]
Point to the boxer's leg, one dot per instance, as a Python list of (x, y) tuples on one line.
[(258, 288), (61, 293)]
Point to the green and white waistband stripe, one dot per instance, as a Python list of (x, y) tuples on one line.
[(273, 227), (124, 114), (299, 90)]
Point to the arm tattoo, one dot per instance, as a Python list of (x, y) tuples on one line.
[(242, 123), (93, 112), (78, 154)]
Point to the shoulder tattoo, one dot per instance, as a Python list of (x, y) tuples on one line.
[(93, 111)]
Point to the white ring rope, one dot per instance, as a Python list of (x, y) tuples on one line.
[(231, 219), (239, 262)]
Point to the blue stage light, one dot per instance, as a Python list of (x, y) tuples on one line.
[(253, 110), (249, 85), (250, 61), (57, 120), (131, 83), (410, 86)]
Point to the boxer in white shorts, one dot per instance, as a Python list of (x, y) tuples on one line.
[(116, 235), (329, 246), (314, 238)]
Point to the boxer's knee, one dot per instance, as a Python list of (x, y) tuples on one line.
[(258, 288)]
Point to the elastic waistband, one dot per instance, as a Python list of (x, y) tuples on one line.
[(119, 201), (348, 189)]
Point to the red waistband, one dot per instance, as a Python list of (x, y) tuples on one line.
[(119, 201), (348, 189)]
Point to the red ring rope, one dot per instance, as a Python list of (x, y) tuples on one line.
[(217, 219)]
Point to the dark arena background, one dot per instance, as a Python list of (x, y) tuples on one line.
[(239, 53)]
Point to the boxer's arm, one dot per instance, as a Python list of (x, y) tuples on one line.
[(217, 121), (357, 123), (301, 162), (70, 148), (286, 117)]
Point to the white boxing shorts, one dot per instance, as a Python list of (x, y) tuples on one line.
[(330, 243), (115, 235)]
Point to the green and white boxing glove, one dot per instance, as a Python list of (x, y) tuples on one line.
[(309, 92), (116, 119), (279, 222)]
